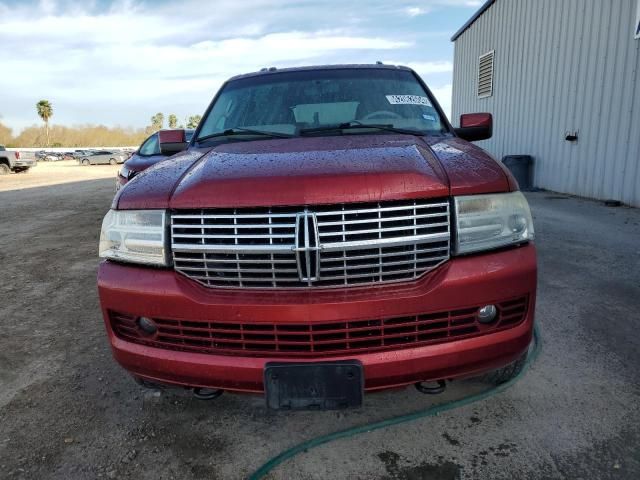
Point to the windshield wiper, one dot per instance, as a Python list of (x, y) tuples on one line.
[(243, 131), (356, 124)]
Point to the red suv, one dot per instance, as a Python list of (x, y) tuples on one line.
[(324, 233)]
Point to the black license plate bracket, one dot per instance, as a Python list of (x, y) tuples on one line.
[(314, 386)]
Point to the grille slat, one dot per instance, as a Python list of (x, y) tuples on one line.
[(320, 339), (377, 265), (223, 236), (409, 207), (227, 260), (355, 244), (206, 216), (242, 270), (381, 230), (389, 219), (230, 226)]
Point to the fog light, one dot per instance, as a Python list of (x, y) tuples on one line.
[(147, 325), (487, 314)]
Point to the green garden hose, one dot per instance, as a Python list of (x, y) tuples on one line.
[(429, 412)]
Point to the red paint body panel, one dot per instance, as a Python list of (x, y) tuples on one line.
[(459, 283), (138, 163), (316, 170), (153, 187), (324, 170), (470, 169)]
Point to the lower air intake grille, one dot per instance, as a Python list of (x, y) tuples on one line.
[(318, 339)]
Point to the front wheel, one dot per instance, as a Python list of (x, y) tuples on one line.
[(85, 162), (4, 169), (504, 374), (112, 161)]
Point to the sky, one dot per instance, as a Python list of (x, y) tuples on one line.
[(120, 62)]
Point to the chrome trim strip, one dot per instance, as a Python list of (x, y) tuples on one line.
[(384, 242)]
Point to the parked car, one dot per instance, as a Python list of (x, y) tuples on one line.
[(147, 155), (101, 157), (326, 232), (44, 156), (81, 153), (16, 161)]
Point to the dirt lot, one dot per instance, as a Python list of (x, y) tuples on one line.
[(55, 173), (68, 411)]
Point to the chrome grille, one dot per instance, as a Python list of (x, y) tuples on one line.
[(319, 246)]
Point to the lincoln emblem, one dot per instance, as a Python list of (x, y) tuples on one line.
[(307, 247)]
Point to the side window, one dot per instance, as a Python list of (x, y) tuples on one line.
[(150, 146)]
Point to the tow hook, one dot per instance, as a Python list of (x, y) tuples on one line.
[(430, 389), (207, 393)]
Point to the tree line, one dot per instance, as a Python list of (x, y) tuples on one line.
[(86, 135)]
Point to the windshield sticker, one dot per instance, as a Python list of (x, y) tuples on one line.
[(426, 116), (408, 100)]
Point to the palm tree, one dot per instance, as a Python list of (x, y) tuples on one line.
[(194, 120), (157, 121), (45, 112)]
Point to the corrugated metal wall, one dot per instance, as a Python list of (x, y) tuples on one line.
[(560, 66)]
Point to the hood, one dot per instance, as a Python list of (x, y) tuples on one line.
[(139, 163), (469, 168), (315, 170)]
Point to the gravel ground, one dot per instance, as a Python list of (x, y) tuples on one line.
[(56, 173), (68, 411)]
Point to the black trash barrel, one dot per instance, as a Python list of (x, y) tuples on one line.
[(520, 166)]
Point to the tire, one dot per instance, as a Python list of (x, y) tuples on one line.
[(4, 169), (113, 161), (85, 162), (504, 374)]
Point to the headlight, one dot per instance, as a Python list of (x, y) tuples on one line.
[(124, 171), (492, 221), (136, 236)]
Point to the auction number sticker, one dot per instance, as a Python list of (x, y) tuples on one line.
[(408, 100)]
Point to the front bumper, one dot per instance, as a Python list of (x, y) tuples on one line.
[(460, 283)]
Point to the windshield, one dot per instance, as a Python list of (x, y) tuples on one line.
[(294, 102)]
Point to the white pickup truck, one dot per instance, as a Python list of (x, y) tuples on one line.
[(16, 161)]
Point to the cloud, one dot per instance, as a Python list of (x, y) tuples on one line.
[(120, 62), (415, 11)]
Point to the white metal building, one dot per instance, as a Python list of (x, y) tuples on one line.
[(562, 80)]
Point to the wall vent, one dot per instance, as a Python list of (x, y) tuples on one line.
[(485, 75)]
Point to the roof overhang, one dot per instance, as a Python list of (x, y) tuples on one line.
[(475, 16)]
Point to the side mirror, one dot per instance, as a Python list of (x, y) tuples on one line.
[(172, 141), (475, 126)]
